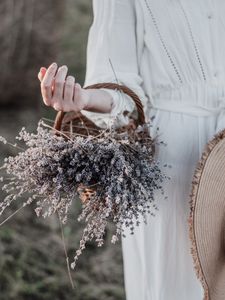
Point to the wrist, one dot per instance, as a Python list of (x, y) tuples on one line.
[(97, 100)]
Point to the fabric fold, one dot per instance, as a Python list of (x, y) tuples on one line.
[(113, 56)]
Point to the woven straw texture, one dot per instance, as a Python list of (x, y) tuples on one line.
[(207, 218)]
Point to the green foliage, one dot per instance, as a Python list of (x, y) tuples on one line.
[(33, 266)]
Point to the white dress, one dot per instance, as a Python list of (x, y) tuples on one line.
[(172, 54)]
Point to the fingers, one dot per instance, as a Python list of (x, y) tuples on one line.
[(59, 82), (68, 92), (46, 84), (41, 73), (59, 90), (77, 98)]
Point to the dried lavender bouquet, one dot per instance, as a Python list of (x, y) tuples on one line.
[(53, 170)]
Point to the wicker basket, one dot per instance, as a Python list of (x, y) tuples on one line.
[(76, 122)]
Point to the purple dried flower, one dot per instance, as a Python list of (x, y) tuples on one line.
[(119, 169)]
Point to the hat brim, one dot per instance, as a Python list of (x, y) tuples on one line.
[(207, 218)]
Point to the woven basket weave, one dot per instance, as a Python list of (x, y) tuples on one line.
[(76, 122)]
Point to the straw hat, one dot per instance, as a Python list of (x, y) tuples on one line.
[(207, 218)]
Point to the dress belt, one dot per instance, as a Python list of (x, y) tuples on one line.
[(189, 108)]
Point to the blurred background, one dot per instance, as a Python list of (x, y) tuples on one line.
[(32, 261)]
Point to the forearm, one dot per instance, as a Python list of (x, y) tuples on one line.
[(98, 101)]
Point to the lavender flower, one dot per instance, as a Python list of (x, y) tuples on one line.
[(119, 169)]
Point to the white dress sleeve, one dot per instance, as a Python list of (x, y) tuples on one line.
[(113, 37)]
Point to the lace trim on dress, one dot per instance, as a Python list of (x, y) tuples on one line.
[(162, 41), (193, 40)]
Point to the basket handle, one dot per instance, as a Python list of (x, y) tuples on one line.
[(112, 86)]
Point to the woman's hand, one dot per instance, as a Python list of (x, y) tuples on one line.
[(61, 91), (64, 94)]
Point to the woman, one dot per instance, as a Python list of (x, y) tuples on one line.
[(171, 53)]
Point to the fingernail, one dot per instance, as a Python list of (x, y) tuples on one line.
[(54, 64)]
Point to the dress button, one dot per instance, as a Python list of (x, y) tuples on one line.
[(216, 73), (210, 15)]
